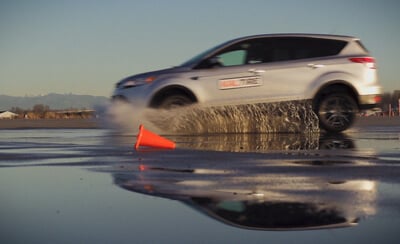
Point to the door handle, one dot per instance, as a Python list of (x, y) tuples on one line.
[(315, 66), (256, 71)]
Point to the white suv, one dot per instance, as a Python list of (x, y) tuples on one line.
[(336, 72)]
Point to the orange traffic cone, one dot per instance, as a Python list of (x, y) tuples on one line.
[(147, 138)]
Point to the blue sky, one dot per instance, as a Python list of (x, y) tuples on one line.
[(86, 46)]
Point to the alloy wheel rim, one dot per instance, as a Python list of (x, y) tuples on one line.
[(336, 111)]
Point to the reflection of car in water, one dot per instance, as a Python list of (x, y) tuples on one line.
[(273, 215), (259, 201), (338, 141), (262, 193), (336, 72)]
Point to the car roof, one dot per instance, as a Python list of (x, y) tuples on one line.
[(325, 36), (251, 37)]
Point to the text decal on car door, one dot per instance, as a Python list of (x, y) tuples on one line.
[(247, 81)]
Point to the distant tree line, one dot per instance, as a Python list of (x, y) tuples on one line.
[(390, 105), (41, 111), (391, 102)]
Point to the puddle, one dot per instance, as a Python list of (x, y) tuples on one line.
[(236, 188)]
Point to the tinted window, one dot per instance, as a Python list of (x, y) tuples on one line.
[(273, 49), (293, 48)]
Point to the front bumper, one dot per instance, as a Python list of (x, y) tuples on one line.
[(137, 96)]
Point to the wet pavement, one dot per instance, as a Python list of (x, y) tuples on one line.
[(91, 186)]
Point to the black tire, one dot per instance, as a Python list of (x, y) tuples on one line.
[(175, 101), (336, 111)]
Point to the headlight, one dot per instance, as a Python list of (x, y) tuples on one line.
[(136, 82)]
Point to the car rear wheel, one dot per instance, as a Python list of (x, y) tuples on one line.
[(336, 112), (175, 101)]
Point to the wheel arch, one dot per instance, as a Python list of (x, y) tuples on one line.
[(335, 86), (163, 93)]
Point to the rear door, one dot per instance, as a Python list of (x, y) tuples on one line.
[(293, 63)]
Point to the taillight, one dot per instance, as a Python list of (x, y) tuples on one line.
[(368, 61), (143, 167), (377, 99)]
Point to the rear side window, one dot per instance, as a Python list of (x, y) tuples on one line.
[(322, 47), (294, 48)]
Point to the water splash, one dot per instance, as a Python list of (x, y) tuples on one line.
[(281, 117), (124, 118), (249, 142)]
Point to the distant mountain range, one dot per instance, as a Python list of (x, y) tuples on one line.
[(53, 100)]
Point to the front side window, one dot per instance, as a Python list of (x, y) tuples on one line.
[(232, 58), (241, 53)]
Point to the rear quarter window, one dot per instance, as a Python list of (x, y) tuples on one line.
[(359, 43)]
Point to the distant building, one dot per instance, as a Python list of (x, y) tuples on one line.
[(7, 115)]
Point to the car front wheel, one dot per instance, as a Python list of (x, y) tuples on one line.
[(175, 101), (336, 112)]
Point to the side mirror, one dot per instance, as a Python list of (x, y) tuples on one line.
[(214, 62), (210, 63)]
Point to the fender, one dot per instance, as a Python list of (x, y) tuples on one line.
[(162, 87), (329, 79)]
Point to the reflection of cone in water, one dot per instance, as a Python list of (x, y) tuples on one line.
[(147, 138)]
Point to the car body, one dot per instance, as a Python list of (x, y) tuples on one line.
[(336, 72)]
